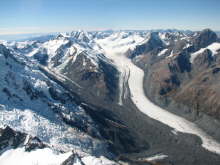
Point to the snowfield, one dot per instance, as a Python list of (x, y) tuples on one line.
[(144, 104), (91, 160), (156, 157), (162, 52), (38, 157), (47, 157), (215, 47)]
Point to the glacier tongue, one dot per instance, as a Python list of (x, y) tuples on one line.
[(117, 54)]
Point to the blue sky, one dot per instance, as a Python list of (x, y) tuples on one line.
[(36, 16)]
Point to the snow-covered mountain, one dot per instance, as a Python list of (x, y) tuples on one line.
[(20, 148), (87, 98), (33, 103)]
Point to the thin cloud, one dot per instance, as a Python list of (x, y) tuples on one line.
[(30, 30)]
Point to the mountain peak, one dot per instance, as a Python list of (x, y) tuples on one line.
[(59, 36), (205, 38), (81, 35)]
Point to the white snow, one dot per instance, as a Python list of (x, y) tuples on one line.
[(164, 38), (162, 52), (214, 47), (58, 76), (187, 45), (37, 157), (36, 117), (91, 160), (72, 50), (120, 44), (53, 133), (174, 132), (53, 45), (171, 55), (156, 157), (122, 41), (47, 156), (3, 42), (33, 52), (145, 105), (24, 44)]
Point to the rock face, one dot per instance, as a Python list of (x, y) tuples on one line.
[(100, 79), (204, 38), (14, 139), (41, 56), (10, 138), (204, 60), (153, 43), (4, 51)]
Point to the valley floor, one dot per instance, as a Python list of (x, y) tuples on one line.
[(135, 81)]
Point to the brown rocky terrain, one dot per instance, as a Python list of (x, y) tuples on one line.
[(189, 89)]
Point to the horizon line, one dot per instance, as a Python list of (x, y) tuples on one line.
[(94, 30)]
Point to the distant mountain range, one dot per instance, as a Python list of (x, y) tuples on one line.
[(22, 37)]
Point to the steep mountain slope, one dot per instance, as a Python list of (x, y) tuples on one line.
[(21, 148), (77, 57), (183, 79), (38, 100), (33, 103), (84, 91)]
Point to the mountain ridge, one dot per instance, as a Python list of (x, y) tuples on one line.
[(75, 82)]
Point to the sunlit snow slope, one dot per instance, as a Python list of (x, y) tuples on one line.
[(37, 157)]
